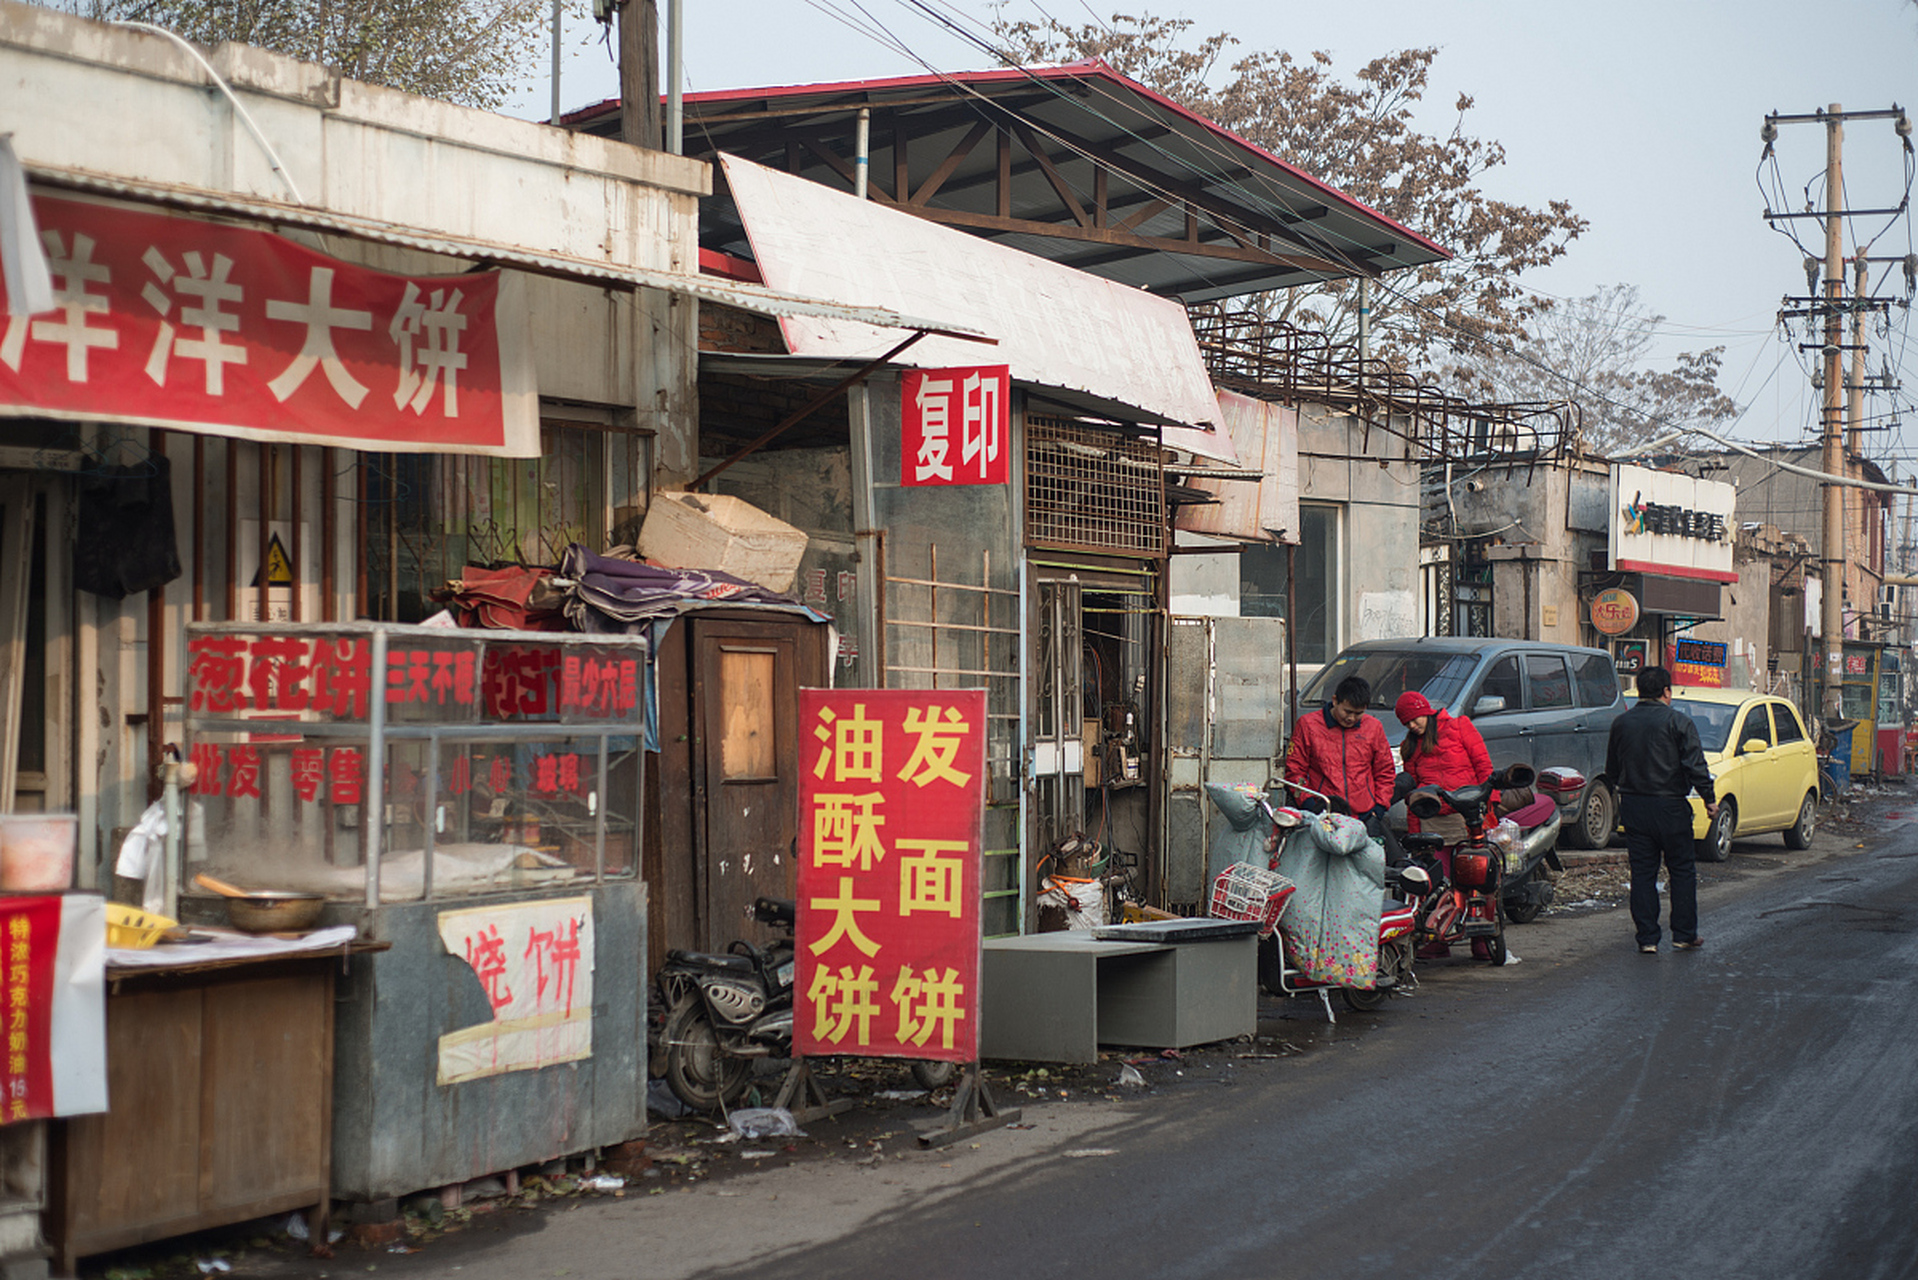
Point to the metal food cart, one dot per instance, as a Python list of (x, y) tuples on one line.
[(471, 798)]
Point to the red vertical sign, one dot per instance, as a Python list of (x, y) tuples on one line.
[(954, 425), (891, 809), (30, 927)]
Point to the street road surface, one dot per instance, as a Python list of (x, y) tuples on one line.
[(1748, 1110)]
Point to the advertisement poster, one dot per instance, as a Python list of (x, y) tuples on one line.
[(891, 807), (1698, 662)]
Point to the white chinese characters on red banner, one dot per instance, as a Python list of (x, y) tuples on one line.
[(891, 811), (534, 962), (955, 425), (177, 322)]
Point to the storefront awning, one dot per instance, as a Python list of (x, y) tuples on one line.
[(1082, 341)]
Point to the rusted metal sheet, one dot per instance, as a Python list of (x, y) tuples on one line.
[(1057, 328), (1266, 437)]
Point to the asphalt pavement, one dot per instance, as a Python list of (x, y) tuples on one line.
[(1749, 1110)]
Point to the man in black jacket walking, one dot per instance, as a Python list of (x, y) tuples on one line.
[(1654, 759)]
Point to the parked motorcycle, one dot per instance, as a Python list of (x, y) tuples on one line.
[(1279, 973), (724, 1012), (1462, 905), (1531, 863)]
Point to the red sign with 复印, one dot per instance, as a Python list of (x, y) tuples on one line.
[(891, 810), (174, 321), (955, 425)]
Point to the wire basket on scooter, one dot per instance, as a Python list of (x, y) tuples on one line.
[(1245, 892)]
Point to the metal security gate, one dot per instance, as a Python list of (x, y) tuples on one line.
[(1226, 699), (951, 630)]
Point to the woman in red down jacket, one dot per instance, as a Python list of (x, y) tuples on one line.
[(1441, 751)]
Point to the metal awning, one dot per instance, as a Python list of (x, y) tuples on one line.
[(1075, 163), (759, 299), (1087, 344)]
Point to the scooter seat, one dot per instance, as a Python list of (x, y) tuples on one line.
[(1422, 842), (708, 960)]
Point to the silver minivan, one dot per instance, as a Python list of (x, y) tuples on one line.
[(1542, 704)]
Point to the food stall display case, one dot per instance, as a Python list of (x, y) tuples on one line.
[(471, 798)]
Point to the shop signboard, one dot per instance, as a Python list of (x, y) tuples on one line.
[(166, 320), (1671, 525), (892, 794), (534, 962), (1614, 612), (1698, 662), (1629, 658), (55, 967), (955, 426)]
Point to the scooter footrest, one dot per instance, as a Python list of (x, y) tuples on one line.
[(1478, 928)]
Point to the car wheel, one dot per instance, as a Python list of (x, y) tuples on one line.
[(1717, 844), (1597, 818), (1798, 834)]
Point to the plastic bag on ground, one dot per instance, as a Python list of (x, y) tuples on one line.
[(764, 1122)]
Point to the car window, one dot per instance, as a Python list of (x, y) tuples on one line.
[(1757, 725), (1786, 716), (1502, 682), (1439, 676), (1551, 684), (1597, 680), (1714, 720)]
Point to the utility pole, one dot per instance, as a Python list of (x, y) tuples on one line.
[(1830, 305), (639, 73), (1832, 554)]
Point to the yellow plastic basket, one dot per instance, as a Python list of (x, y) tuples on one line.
[(132, 927)]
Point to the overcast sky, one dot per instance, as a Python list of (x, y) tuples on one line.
[(1644, 115)]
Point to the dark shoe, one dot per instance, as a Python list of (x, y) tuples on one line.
[(1648, 948), (1689, 945)]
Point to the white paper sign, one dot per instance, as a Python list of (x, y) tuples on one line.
[(534, 960)]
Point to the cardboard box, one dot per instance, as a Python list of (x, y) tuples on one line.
[(718, 531)]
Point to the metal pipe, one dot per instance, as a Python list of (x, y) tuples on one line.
[(373, 812), (174, 847), (556, 48), (675, 108), (431, 837), (862, 153)]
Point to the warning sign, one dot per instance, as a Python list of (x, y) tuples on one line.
[(279, 565)]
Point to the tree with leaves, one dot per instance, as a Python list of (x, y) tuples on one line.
[(473, 52), (1596, 352), (1360, 137)]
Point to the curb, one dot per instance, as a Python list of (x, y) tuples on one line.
[(1593, 858)]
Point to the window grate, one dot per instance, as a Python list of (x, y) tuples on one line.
[(1093, 490)]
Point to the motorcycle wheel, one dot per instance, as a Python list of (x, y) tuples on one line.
[(1495, 946), (699, 1071), (1363, 1001), (934, 1075), (1524, 911)]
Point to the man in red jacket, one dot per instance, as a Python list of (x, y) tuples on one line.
[(1342, 752)]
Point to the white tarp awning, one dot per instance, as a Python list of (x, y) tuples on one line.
[(1100, 345)]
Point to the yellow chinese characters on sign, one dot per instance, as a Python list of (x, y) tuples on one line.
[(889, 893)]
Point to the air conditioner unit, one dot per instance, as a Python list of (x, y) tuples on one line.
[(1887, 602)]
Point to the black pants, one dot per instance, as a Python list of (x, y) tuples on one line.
[(1660, 827)]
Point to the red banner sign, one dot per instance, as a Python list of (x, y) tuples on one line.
[(1697, 662), (891, 812), (172, 321), (955, 426), (55, 1006)]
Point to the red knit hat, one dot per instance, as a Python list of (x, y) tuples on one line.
[(1410, 706)]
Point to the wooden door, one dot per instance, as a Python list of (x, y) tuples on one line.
[(746, 769)]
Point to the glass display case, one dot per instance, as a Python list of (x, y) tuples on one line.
[(396, 763)]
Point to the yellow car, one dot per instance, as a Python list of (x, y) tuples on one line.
[(1763, 766)]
